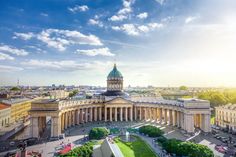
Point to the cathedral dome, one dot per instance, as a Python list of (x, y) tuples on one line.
[(114, 73)]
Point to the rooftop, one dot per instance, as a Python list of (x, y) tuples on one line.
[(15, 100), (3, 106), (115, 73)]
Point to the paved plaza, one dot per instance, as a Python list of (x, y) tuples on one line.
[(77, 134)]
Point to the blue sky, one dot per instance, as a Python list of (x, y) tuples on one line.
[(153, 42)]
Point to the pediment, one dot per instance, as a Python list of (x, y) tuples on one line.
[(118, 100)]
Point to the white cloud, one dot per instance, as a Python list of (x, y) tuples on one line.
[(63, 65), (5, 68), (4, 56), (161, 2), (60, 39), (13, 50), (95, 22), (77, 8), (134, 30), (190, 19), (118, 17), (94, 52), (143, 15), (44, 14), (124, 12), (24, 36)]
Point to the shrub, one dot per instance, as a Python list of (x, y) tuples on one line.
[(187, 148), (161, 139), (84, 151), (151, 131), (98, 133)]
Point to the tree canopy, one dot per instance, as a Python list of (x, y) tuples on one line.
[(73, 93), (187, 148), (183, 88), (151, 131), (218, 98), (98, 133), (15, 89)]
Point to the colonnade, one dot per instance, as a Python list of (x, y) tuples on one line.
[(177, 117)]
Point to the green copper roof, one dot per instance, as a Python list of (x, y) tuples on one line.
[(114, 73)]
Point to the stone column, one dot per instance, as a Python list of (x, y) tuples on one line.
[(126, 114), (62, 122), (65, 120), (165, 116), (111, 114), (206, 124), (82, 115), (135, 113), (189, 123), (140, 113), (181, 115), (121, 114), (178, 119), (73, 117), (174, 117), (131, 114), (100, 113), (115, 113), (145, 113), (55, 127), (95, 114), (78, 117), (86, 115), (34, 127), (90, 114), (105, 114), (170, 117)]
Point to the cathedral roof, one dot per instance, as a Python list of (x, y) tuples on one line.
[(115, 73)]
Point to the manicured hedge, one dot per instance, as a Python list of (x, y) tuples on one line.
[(186, 148), (151, 131), (85, 150), (98, 133)]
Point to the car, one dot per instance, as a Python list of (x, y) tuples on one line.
[(54, 138), (214, 131), (30, 141), (61, 137), (12, 143)]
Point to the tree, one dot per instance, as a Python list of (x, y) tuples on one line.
[(15, 89), (151, 131), (183, 88), (187, 148), (73, 93), (216, 98), (98, 133)]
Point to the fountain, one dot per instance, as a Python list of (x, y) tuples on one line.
[(127, 136)]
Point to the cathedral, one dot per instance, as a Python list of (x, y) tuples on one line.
[(115, 105)]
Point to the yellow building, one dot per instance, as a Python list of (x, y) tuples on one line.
[(19, 108), (5, 112), (226, 116)]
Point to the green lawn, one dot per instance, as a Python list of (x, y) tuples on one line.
[(138, 148)]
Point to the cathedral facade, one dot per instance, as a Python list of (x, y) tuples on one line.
[(115, 105)]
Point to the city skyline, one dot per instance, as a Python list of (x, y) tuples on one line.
[(161, 43)]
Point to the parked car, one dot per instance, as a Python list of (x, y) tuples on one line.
[(30, 141), (12, 143), (214, 131), (54, 138)]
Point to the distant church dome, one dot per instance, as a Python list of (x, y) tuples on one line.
[(114, 73), (114, 83)]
